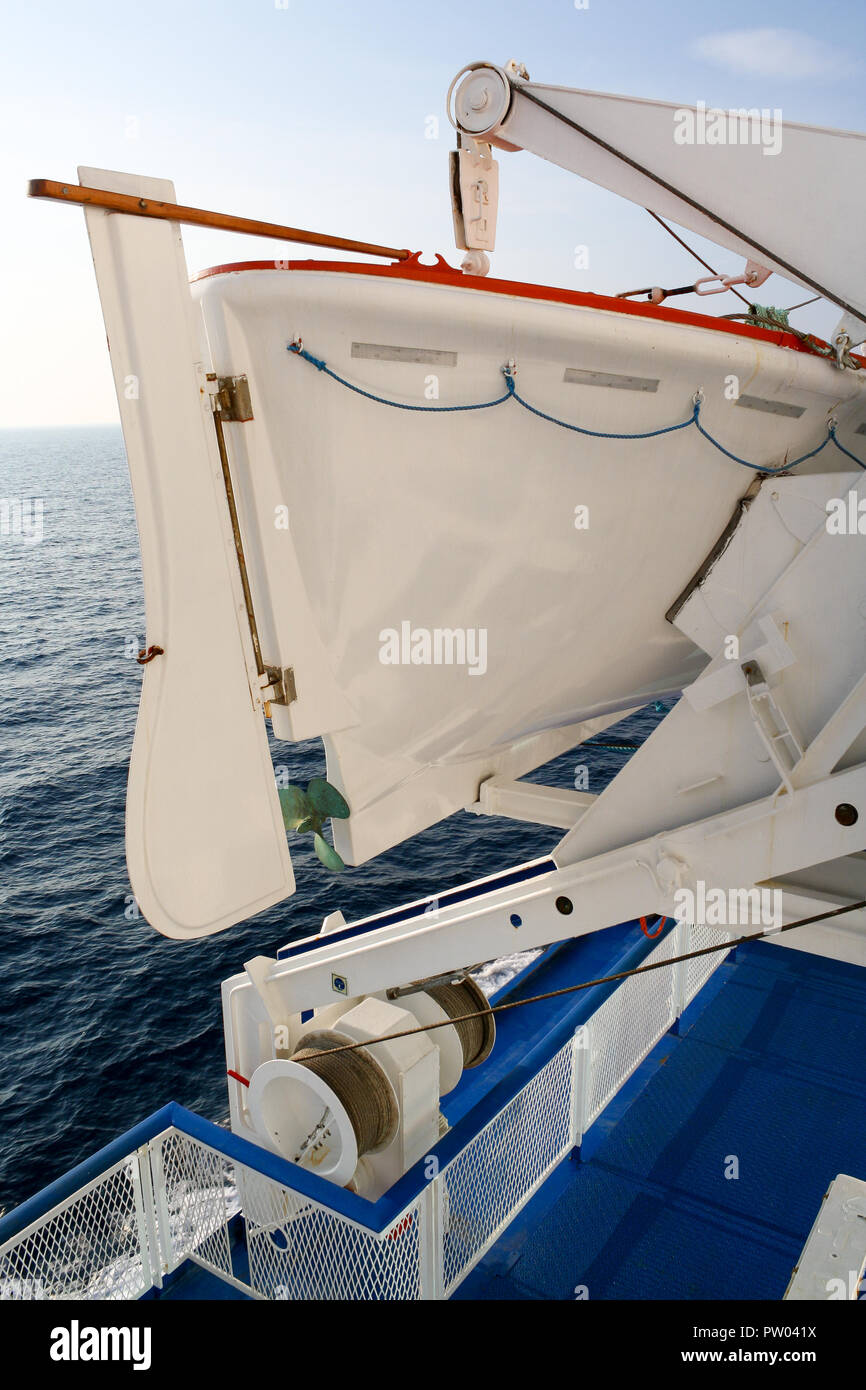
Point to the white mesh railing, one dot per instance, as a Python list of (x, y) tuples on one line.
[(696, 972), (193, 1189), (299, 1249), (496, 1174), (173, 1198), (626, 1027), (92, 1247)]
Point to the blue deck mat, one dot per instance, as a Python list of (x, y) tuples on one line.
[(773, 1072)]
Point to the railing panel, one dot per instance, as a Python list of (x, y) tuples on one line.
[(301, 1250), (627, 1026), (698, 971), (496, 1174), (194, 1186), (88, 1248)]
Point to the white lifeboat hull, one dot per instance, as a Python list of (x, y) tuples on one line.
[(365, 522)]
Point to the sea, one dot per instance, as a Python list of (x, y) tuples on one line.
[(102, 1020)]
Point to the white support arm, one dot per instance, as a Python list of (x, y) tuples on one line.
[(788, 196), (755, 842), (527, 801)]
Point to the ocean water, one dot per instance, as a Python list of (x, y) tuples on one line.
[(102, 1019)]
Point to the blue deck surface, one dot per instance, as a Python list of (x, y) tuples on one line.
[(769, 1069)]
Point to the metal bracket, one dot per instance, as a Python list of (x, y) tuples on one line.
[(279, 685), (232, 399), (450, 977), (774, 727), (766, 650)]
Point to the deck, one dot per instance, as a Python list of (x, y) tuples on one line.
[(768, 1069)]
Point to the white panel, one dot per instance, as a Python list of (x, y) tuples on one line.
[(804, 203), (205, 840)]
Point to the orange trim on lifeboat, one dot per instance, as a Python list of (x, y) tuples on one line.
[(444, 274)]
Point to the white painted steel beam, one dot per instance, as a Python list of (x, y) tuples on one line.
[(833, 1261), (528, 801), (755, 842)]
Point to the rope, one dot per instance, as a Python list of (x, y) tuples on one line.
[(474, 1030), (359, 1084), (613, 979), (766, 316), (615, 747), (802, 304), (512, 393), (300, 351), (596, 434), (694, 253), (841, 447)]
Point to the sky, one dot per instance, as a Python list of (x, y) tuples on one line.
[(316, 113)]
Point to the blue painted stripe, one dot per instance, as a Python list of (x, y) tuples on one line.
[(403, 914)]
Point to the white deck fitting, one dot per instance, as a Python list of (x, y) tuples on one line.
[(833, 1261)]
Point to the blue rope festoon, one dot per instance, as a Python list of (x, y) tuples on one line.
[(512, 393), (300, 351)]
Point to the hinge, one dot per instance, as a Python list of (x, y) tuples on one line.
[(232, 399), (279, 688)]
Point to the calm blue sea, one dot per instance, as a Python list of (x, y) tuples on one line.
[(102, 1019)]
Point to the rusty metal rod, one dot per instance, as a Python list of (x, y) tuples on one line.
[(76, 193), (239, 544)]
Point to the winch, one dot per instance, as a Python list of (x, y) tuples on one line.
[(359, 1116)]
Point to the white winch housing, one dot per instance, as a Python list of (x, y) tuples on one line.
[(361, 1123)]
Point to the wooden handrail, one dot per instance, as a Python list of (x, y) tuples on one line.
[(200, 217)]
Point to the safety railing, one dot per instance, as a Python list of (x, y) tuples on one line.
[(169, 1191)]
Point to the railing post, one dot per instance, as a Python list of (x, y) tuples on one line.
[(431, 1274), (163, 1220), (581, 1059), (145, 1215), (680, 980)]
